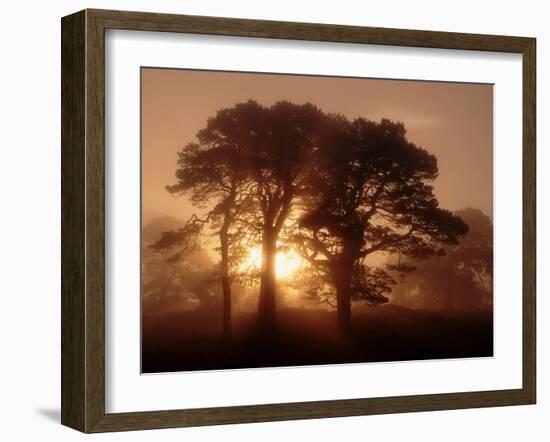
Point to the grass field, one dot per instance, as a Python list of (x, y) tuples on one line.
[(192, 340)]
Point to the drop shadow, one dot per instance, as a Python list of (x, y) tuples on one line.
[(51, 414)]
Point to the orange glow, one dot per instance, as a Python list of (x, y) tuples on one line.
[(288, 262)]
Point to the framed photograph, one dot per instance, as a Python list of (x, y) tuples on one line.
[(269, 220)]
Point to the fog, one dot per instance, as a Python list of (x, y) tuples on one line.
[(428, 296)]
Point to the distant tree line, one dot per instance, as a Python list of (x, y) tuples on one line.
[(460, 280)]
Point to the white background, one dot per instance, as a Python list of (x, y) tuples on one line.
[(30, 194), (128, 391)]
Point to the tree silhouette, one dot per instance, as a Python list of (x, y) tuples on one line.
[(273, 144), (279, 162), (370, 191), (357, 187), (214, 175)]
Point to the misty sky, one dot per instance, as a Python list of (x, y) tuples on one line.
[(454, 121)]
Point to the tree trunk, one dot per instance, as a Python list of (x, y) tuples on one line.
[(266, 304), (343, 300), (225, 282)]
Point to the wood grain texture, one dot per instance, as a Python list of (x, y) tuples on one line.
[(95, 222), (73, 128), (83, 218), (144, 21), (529, 220)]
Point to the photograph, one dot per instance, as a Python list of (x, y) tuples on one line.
[(299, 220)]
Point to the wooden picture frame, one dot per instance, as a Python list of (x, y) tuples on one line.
[(83, 220)]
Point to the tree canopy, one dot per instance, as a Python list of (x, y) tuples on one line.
[(370, 191)]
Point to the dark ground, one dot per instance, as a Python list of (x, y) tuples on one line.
[(191, 340)]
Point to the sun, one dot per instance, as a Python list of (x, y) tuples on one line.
[(288, 263)]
